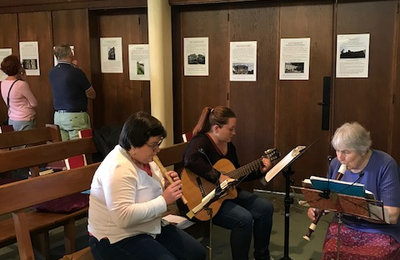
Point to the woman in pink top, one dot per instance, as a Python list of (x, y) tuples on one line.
[(22, 102)]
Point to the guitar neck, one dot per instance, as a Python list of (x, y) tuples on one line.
[(245, 169)]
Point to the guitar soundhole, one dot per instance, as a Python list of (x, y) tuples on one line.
[(200, 185)]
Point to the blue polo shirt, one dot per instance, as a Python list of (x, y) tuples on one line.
[(68, 84)]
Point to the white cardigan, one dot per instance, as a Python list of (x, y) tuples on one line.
[(124, 200)]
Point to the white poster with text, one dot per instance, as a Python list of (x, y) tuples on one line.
[(294, 62), (111, 55), (243, 61), (195, 56), (139, 62), (29, 55), (352, 57)]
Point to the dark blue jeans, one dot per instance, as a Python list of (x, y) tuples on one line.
[(245, 216), (171, 244)]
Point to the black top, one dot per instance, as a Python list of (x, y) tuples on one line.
[(197, 162), (69, 84)]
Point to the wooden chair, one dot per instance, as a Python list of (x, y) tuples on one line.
[(187, 136)]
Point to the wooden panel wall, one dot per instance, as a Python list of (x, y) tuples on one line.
[(287, 113), (395, 136), (369, 100), (47, 28), (253, 102), (10, 41), (72, 27), (37, 27), (298, 115), (198, 92), (271, 112), (118, 96), (51, 5)]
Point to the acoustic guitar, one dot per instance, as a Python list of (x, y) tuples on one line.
[(195, 188)]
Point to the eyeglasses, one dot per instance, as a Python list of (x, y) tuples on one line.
[(155, 146)]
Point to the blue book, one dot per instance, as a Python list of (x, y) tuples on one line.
[(341, 187)]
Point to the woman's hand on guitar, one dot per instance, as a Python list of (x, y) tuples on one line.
[(267, 164), (223, 177), (173, 192)]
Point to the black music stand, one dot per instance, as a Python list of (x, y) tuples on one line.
[(205, 205), (284, 166), (362, 207)]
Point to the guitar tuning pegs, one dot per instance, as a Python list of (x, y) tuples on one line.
[(272, 154)]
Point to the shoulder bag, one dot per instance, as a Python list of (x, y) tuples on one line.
[(8, 102)]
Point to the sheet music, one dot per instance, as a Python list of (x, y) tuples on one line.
[(345, 204), (283, 163), (179, 221), (342, 187)]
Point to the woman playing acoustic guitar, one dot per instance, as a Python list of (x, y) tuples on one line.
[(246, 215)]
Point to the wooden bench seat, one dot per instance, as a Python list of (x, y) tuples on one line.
[(21, 139), (52, 186), (39, 223), (36, 156), (36, 136)]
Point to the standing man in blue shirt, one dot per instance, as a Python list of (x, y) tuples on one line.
[(71, 89)]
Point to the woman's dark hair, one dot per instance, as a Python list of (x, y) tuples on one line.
[(213, 116), (11, 65), (138, 129)]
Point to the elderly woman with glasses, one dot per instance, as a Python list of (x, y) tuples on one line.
[(128, 197)]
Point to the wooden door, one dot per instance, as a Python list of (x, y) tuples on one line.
[(369, 100), (254, 101), (394, 142), (276, 113), (196, 92), (118, 96), (299, 115)]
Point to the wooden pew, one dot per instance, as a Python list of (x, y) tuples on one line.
[(40, 135), (36, 156), (41, 222), (21, 139), (172, 155), (51, 186)]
